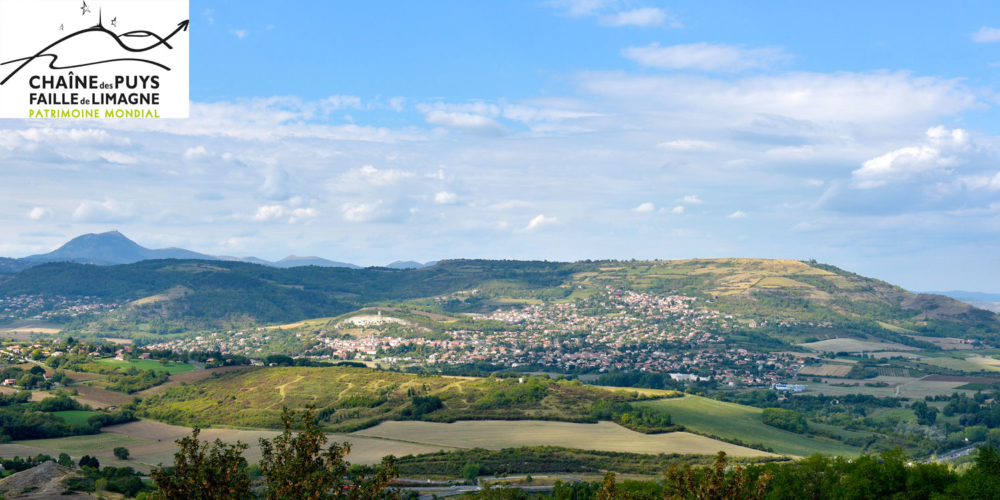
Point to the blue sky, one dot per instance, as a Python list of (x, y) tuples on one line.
[(860, 134)]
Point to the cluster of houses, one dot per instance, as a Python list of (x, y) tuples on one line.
[(42, 307)]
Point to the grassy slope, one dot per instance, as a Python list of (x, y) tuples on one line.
[(75, 417), (729, 420), (362, 397), (148, 364)]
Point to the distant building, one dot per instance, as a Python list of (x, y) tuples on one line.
[(144, 355), (789, 387), (9, 381)]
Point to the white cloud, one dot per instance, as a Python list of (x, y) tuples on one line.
[(195, 153), (705, 57), (266, 213), (467, 122), (445, 198), (737, 215), (679, 209), (338, 102), (540, 221), (691, 199), (269, 213), (275, 186), (643, 17), (301, 214), (687, 145), (981, 182), (379, 177), (241, 34), (360, 212), (986, 35), (107, 211), (116, 157), (39, 213), (644, 208), (864, 101), (904, 163)]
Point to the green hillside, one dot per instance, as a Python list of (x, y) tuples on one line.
[(787, 298), (352, 398), (733, 421)]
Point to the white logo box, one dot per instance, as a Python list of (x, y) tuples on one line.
[(112, 59)]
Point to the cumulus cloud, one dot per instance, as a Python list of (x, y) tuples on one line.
[(270, 213), (540, 221), (445, 198), (275, 186), (299, 214), (975, 182), (905, 163), (241, 34), (986, 35), (716, 57), (267, 213), (644, 208), (360, 212), (39, 213), (195, 153), (691, 199), (643, 17), (737, 215), (339, 102), (679, 209), (109, 210)]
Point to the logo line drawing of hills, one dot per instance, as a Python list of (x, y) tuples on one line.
[(99, 28)]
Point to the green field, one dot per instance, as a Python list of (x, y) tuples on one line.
[(730, 420), (149, 364), (75, 417), (602, 436), (956, 362)]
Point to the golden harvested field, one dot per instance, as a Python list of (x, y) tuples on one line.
[(152, 443), (826, 370), (604, 436)]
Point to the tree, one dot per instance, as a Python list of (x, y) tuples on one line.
[(470, 472), (204, 471), (89, 461), (296, 466), (121, 453), (713, 483), (64, 460)]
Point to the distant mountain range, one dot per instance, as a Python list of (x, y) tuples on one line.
[(988, 301), (114, 248)]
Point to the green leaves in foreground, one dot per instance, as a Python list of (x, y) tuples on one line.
[(294, 465)]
